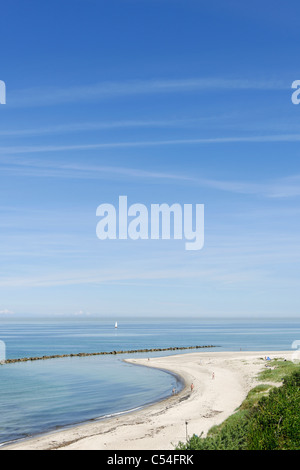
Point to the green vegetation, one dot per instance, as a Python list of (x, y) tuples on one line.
[(269, 418), (278, 370), (254, 396)]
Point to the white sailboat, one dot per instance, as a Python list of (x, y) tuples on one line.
[(116, 324)]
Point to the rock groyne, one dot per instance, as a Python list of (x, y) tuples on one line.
[(59, 356)]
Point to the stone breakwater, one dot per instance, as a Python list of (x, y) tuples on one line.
[(58, 356)]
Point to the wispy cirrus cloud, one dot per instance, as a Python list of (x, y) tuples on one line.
[(103, 125), (284, 187), (220, 121), (46, 96), (15, 150), (119, 276)]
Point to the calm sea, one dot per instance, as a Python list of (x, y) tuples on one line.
[(42, 396)]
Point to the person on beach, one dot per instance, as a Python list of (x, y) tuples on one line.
[(213, 375), (192, 387)]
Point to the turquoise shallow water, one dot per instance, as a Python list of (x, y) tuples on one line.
[(42, 396)]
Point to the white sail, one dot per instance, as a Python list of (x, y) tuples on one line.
[(116, 324)]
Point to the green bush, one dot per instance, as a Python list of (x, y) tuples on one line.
[(232, 436), (263, 423), (275, 423)]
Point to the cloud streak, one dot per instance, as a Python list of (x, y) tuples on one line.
[(92, 126), (120, 276), (149, 143), (279, 188), (42, 96)]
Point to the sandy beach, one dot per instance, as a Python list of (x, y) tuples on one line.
[(221, 382)]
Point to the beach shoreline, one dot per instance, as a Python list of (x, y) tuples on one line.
[(221, 382), (103, 419)]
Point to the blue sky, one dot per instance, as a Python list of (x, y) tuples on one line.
[(162, 101)]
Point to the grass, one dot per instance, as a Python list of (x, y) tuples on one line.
[(278, 371)]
